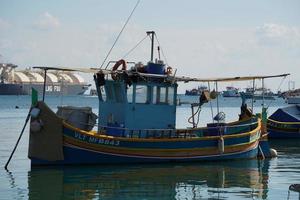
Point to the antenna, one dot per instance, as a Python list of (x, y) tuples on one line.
[(151, 33)]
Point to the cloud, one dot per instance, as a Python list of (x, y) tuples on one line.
[(194, 52), (277, 34), (47, 22)]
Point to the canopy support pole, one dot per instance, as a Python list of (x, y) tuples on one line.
[(44, 86)]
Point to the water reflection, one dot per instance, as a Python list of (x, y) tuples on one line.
[(286, 146), (234, 180)]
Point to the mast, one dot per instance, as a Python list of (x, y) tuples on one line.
[(151, 34), (44, 86)]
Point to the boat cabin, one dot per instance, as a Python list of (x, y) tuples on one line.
[(132, 101)]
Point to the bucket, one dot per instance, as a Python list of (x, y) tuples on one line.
[(155, 68)]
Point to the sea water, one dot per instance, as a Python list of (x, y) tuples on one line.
[(240, 179)]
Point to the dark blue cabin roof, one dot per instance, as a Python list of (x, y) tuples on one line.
[(287, 114)]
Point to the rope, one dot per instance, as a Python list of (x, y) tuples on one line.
[(197, 112), (218, 108), (252, 99), (134, 47), (262, 153), (272, 100), (210, 103), (161, 50), (17, 143), (120, 33)]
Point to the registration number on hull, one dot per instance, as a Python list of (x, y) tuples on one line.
[(95, 140)]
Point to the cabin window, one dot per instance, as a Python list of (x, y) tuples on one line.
[(141, 94), (130, 94), (154, 96), (103, 94), (170, 95), (162, 95)]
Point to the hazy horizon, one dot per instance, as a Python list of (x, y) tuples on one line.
[(199, 38)]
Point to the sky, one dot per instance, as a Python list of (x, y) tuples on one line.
[(199, 38)]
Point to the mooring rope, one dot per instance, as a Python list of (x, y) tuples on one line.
[(161, 50), (134, 47), (272, 100), (137, 3)]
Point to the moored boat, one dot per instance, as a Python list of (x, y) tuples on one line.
[(293, 99), (259, 93), (285, 123), (231, 92), (196, 91), (137, 124)]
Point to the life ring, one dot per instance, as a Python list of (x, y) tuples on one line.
[(116, 66), (118, 63)]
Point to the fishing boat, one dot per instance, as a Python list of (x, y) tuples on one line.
[(137, 131), (292, 96), (137, 123), (293, 99), (259, 93), (196, 91), (285, 123), (231, 92)]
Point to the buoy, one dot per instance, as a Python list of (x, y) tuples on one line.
[(273, 153), (36, 126), (221, 145)]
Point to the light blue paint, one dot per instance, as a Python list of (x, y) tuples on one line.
[(135, 115)]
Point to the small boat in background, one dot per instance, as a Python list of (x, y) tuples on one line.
[(285, 123), (259, 94), (293, 99), (231, 92), (196, 91), (292, 96)]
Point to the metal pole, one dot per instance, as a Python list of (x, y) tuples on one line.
[(12, 153), (252, 99), (217, 100), (44, 87), (152, 46), (211, 108), (263, 91), (152, 42)]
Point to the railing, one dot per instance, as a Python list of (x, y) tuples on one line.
[(178, 133)]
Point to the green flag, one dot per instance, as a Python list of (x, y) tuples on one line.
[(34, 96)]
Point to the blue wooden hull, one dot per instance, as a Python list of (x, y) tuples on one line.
[(59, 143), (77, 156), (82, 148), (273, 133), (285, 123)]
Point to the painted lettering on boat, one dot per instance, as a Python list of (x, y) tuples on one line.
[(95, 140)]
